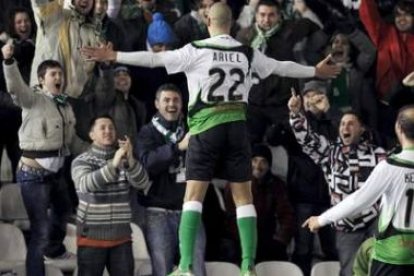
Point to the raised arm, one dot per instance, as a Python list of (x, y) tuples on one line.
[(104, 89), (367, 51), (46, 11), (372, 20), (316, 146), (21, 93)]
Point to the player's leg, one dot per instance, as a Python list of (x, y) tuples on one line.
[(190, 221), (246, 222), (202, 153), (238, 170)]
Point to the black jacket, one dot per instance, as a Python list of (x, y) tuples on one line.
[(158, 157)]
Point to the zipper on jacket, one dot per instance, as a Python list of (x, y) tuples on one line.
[(63, 131)]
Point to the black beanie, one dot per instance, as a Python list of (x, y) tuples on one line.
[(262, 151)]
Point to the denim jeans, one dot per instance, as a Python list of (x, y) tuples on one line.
[(161, 234), (304, 239), (118, 260), (40, 190)]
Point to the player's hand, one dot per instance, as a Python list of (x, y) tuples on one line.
[(8, 50), (312, 223), (101, 53), (183, 144), (409, 80), (295, 102), (325, 70)]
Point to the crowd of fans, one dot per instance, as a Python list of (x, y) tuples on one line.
[(314, 141)]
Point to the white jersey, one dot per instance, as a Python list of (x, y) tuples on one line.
[(392, 180), (220, 72), (218, 68), (394, 183)]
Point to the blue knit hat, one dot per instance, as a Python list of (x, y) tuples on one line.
[(159, 32)]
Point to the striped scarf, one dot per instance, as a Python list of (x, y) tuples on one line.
[(260, 40), (169, 135)]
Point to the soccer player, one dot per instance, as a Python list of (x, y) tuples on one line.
[(220, 72), (392, 180)]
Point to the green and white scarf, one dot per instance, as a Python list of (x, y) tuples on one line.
[(169, 135), (260, 40)]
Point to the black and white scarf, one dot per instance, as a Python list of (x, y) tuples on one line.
[(172, 131)]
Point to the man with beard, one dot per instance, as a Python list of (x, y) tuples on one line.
[(161, 147), (346, 164)]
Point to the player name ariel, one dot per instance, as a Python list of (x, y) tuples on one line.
[(227, 57)]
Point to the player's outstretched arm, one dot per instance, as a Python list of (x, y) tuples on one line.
[(312, 223), (102, 53), (325, 70), (140, 58)]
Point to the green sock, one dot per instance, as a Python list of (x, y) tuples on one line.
[(248, 240), (190, 221)]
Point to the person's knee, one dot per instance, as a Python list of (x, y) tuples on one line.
[(242, 194), (195, 191)]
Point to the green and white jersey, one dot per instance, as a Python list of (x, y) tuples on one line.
[(220, 73), (392, 180)]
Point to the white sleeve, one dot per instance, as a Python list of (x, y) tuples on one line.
[(141, 58), (264, 66), (361, 199), (179, 60)]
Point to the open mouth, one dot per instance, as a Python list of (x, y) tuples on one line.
[(346, 135), (337, 54), (58, 86)]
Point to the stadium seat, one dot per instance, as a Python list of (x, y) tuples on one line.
[(221, 268), (326, 269), (278, 268), (51, 270), (13, 247), (12, 207), (140, 251)]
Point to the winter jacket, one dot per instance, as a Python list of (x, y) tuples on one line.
[(47, 126), (60, 34), (160, 158)]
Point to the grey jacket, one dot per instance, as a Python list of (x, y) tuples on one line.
[(46, 126)]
